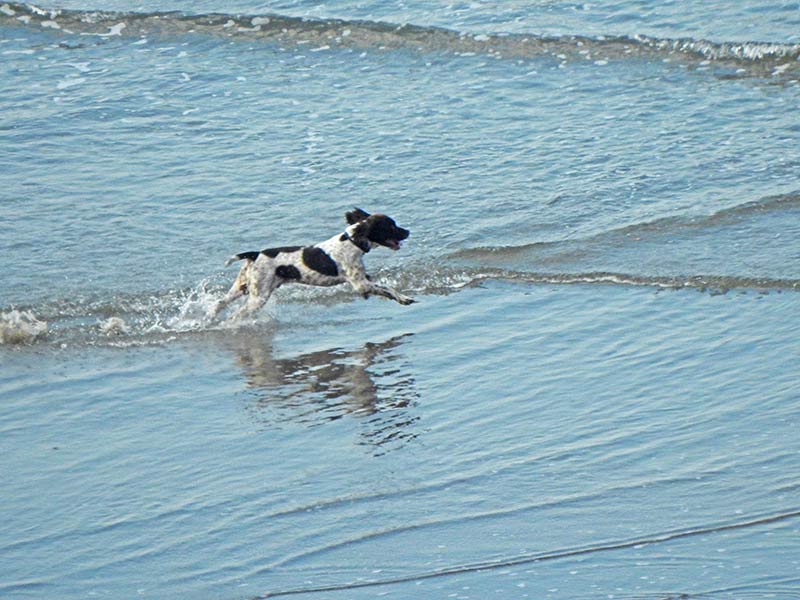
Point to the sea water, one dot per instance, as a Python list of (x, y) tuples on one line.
[(596, 395)]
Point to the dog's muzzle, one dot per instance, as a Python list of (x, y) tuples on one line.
[(395, 242)]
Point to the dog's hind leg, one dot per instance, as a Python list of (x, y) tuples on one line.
[(259, 293), (238, 289)]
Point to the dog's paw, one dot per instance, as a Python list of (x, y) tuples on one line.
[(405, 300)]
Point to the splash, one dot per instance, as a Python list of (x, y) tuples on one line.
[(20, 327), (192, 310)]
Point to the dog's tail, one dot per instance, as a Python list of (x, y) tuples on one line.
[(251, 256)]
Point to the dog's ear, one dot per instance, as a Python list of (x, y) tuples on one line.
[(356, 215), (360, 235)]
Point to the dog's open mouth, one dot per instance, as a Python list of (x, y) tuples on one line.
[(393, 244)]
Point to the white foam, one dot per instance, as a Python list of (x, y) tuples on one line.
[(36, 10), (781, 68), (82, 67), (114, 326), (112, 31), (20, 327), (72, 82)]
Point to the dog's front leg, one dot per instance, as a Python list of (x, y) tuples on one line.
[(366, 288), (361, 283), (388, 292)]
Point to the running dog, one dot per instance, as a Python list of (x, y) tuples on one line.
[(334, 261)]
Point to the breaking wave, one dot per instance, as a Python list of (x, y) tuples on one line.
[(761, 57)]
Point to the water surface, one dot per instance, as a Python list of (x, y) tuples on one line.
[(595, 396)]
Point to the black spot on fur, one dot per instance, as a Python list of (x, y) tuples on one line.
[(287, 272), (316, 259), (273, 252), (247, 255)]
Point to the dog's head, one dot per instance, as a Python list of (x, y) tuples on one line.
[(375, 230)]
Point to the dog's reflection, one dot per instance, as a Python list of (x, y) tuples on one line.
[(371, 384)]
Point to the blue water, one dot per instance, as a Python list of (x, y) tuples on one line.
[(595, 396)]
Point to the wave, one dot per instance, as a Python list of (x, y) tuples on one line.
[(326, 34), (778, 203), (672, 224), (150, 318), (661, 248)]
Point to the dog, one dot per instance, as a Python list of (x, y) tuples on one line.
[(332, 262)]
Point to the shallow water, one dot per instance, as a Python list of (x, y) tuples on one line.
[(595, 396)]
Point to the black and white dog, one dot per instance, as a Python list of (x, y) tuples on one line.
[(334, 261)]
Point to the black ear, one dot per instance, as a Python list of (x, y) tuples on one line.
[(356, 215)]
